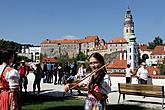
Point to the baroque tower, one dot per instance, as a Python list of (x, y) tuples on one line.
[(132, 52), (128, 25)]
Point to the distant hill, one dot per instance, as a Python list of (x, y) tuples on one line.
[(9, 45)]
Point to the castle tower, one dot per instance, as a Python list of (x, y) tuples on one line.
[(132, 52), (128, 25)]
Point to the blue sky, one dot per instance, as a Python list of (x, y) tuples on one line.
[(32, 21)]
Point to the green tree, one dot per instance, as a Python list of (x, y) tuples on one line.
[(66, 59), (81, 57), (156, 41), (9, 45)]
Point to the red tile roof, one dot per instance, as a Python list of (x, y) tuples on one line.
[(118, 40), (52, 60), (152, 70), (67, 41), (143, 47), (158, 50), (118, 63)]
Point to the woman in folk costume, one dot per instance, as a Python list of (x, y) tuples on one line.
[(98, 85), (9, 83)]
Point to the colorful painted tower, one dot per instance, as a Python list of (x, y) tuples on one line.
[(132, 52), (128, 25)]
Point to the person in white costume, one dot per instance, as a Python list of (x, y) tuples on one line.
[(142, 74)]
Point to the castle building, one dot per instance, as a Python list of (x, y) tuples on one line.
[(68, 47), (126, 45)]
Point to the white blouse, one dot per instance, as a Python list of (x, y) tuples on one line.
[(12, 76)]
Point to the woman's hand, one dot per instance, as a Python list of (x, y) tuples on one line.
[(97, 95), (66, 88)]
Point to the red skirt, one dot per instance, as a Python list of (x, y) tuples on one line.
[(4, 100)]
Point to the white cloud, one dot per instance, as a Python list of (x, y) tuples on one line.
[(70, 37)]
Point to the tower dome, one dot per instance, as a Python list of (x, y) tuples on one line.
[(132, 38)]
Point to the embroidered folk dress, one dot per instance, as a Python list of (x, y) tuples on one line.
[(91, 103), (9, 88)]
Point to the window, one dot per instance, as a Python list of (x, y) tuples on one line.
[(126, 30)]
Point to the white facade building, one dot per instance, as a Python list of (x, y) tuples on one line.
[(35, 53)]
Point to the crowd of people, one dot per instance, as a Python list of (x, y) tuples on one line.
[(13, 78), (61, 72)]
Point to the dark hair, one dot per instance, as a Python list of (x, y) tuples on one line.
[(0, 57), (128, 65), (99, 57), (7, 54), (99, 77)]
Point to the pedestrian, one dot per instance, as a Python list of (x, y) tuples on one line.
[(142, 74), (128, 74), (45, 70), (9, 83), (74, 68), (55, 73), (98, 87), (49, 74), (67, 69), (80, 74), (24, 70), (81, 71), (38, 75), (60, 73)]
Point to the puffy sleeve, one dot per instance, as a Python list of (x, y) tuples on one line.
[(13, 77), (105, 86), (107, 79)]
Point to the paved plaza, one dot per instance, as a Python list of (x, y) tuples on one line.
[(57, 90)]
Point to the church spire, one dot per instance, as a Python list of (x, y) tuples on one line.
[(128, 24)]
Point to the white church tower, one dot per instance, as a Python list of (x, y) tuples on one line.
[(129, 35), (128, 24)]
